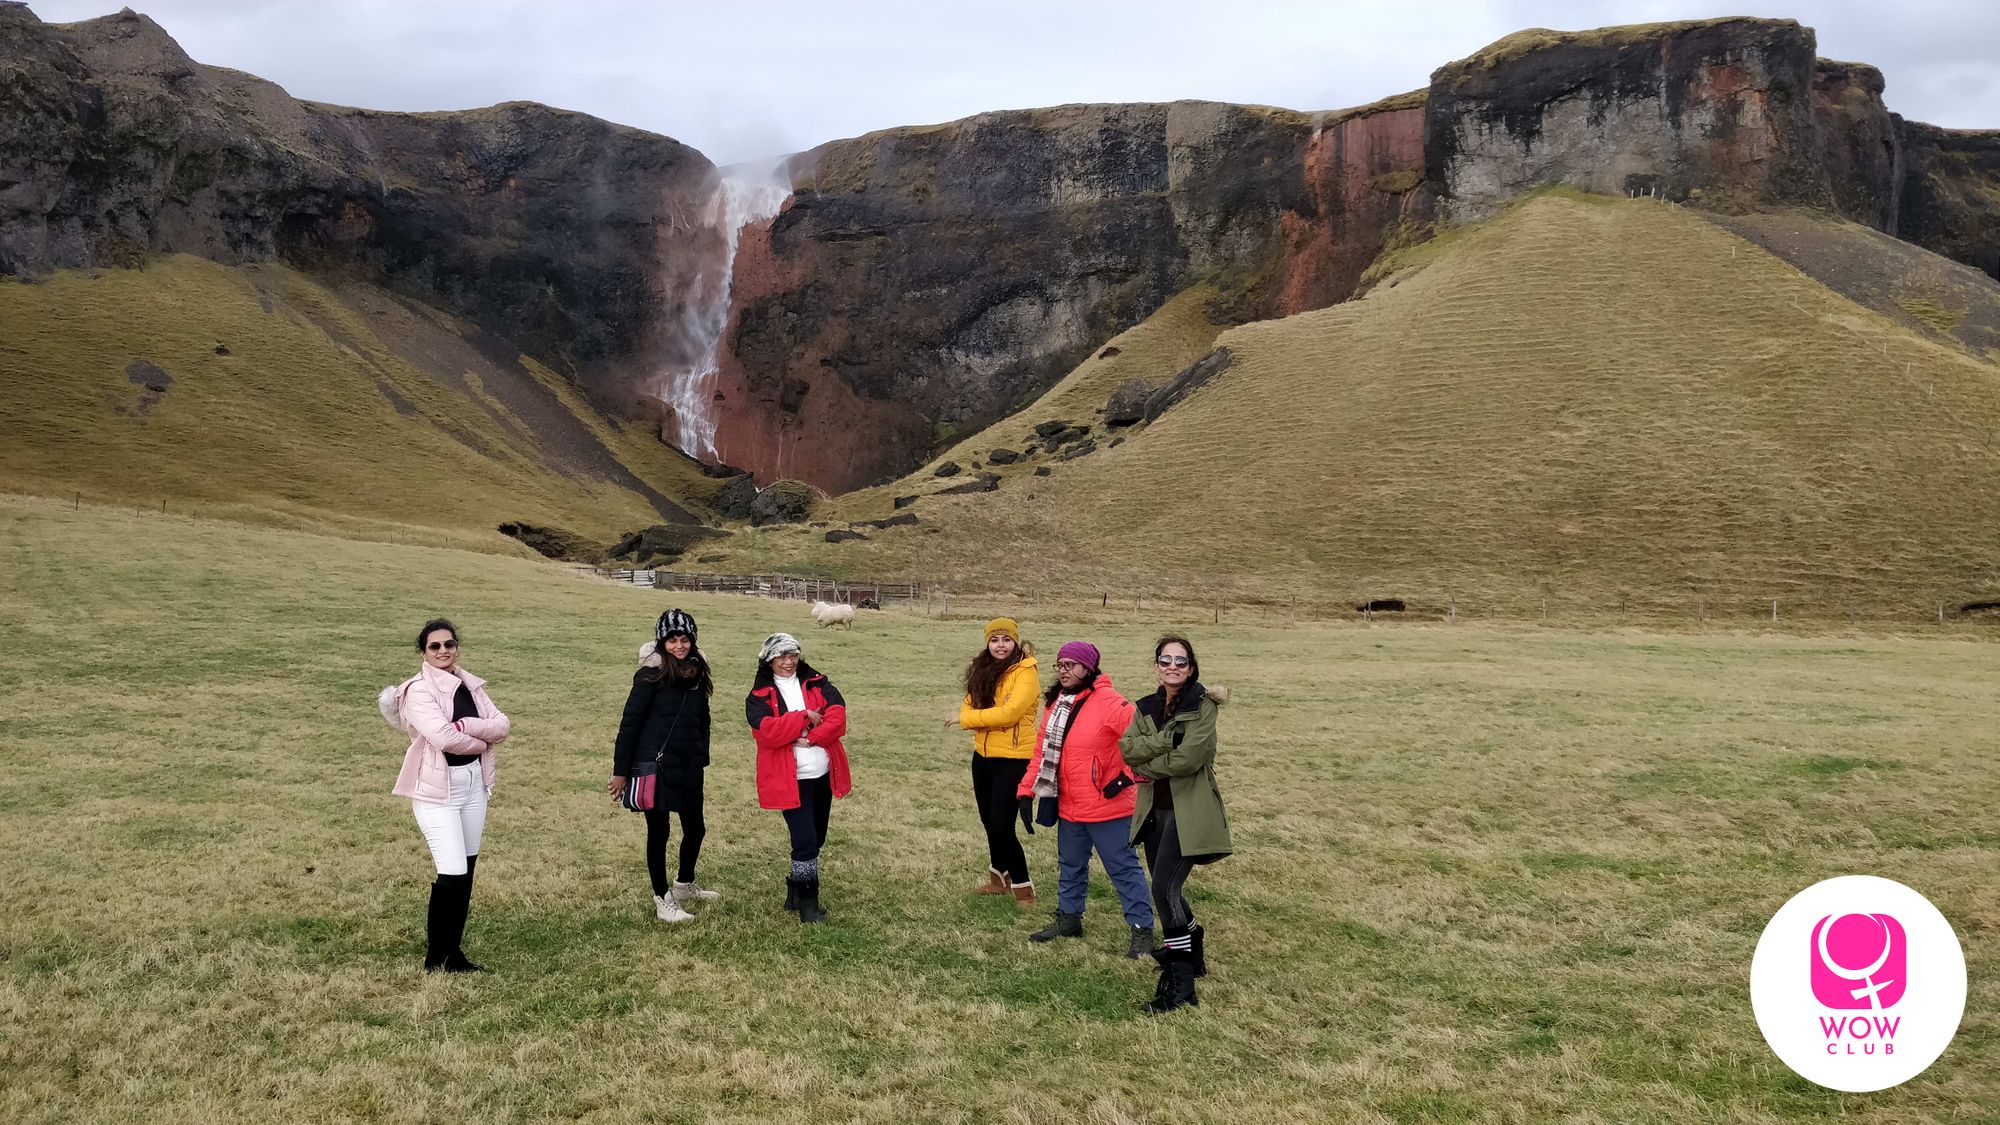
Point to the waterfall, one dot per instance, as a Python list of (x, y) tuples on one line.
[(742, 194)]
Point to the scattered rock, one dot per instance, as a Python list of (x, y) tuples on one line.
[(1075, 451), (155, 381), (720, 471), (1041, 470), (1048, 428), (948, 469), (662, 543), (1381, 605), (734, 500), (842, 535), (554, 542), (786, 501), (984, 482), (905, 501), (1031, 450), (710, 558), (1002, 456), (1116, 442), (1128, 403), (1061, 438), (907, 519), (1187, 382), (977, 465), (222, 349), (1107, 353)]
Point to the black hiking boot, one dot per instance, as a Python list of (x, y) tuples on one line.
[(809, 908), (791, 894), (1176, 987), (1142, 943), (1200, 959), (1065, 925)]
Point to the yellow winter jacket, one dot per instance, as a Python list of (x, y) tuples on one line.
[(1006, 729)]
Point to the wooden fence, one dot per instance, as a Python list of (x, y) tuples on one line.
[(866, 592)]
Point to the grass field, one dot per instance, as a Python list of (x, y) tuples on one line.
[(283, 399), (1612, 404), (1482, 874)]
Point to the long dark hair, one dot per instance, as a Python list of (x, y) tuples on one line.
[(690, 674), (983, 675), (1194, 665), (432, 626)]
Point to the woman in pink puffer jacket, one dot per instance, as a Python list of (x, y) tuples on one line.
[(447, 775)]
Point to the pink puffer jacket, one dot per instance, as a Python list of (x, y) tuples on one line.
[(426, 704)]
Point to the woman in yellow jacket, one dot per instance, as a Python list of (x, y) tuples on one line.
[(1002, 698)]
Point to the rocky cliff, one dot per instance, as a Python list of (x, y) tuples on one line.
[(553, 229), (922, 281)]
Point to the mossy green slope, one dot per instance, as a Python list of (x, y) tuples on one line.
[(291, 401), (1611, 403)]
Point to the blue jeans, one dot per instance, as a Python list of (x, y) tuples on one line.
[(1113, 841)]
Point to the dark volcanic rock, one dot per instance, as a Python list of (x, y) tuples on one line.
[(1002, 456), (1128, 403), (554, 542), (907, 519), (1951, 196), (1087, 446), (905, 501), (1050, 429), (785, 501), (844, 536), (948, 469), (1041, 470), (1187, 382), (662, 543), (545, 227), (735, 499), (984, 482)]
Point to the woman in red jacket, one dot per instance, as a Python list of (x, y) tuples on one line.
[(798, 717), (1079, 774)]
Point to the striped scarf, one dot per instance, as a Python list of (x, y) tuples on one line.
[(1052, 744)]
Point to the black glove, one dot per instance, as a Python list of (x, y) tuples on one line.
[(1028, 814)]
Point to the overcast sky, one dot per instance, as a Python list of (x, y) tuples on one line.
[(747, 80)]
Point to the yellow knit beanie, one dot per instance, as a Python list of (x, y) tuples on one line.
[(1003, 626)]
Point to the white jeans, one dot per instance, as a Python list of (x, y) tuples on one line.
[(453, 828)]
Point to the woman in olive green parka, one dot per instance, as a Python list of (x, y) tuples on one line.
[(1179, 821)]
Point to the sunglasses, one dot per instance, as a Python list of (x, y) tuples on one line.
[(441, 646), (1171, 661)]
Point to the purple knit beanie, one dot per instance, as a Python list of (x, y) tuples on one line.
[(1083, 652)]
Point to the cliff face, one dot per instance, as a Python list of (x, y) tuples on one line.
[(540, 225), (925, 280), (1951, 194)]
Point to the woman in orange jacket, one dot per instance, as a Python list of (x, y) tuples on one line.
[(1001, 686)]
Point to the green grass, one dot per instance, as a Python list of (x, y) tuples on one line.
[(336, 408), (1607, 403), (1483, 874)]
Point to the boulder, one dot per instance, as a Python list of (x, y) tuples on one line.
[(786, 501), (1048, 429), (984, 482), (1196, 375), (844, 536), (948, 469), (1083, 448), (1128, 403), (1041, 470), (1003, 456), (554, 542), (907, 519), (662, 543), (905, 501), (734, 499)]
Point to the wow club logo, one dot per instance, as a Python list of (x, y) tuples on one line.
[(1834, 991)]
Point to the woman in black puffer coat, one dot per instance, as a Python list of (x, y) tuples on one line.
[(666, 720)]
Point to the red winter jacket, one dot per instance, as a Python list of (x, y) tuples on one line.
[(777, 730), (1090, 757)]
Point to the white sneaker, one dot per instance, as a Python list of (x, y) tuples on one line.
[(670, 910), (686, 893)]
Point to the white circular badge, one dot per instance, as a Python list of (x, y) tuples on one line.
[(1858, 983)]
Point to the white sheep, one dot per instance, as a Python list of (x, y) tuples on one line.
[(828, 615)]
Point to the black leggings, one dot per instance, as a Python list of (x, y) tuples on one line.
[(1168, 869), (657, 830), (994, 781), (807, 824)]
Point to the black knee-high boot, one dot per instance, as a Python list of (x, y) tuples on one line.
[(439, 937), (456, 961)]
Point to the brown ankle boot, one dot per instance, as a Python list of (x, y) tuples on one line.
[(1024, 894), (995, 884)]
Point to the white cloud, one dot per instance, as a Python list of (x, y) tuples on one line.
[(741, 81)]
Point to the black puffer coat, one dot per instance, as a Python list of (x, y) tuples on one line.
[(669, 719)]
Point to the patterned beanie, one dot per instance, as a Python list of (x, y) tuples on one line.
[(674, 621), (776, 645)]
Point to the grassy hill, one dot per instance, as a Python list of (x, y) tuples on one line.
[(1499, 875), (1608, 403), (262, 394)]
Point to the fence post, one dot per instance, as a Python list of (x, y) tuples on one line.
[(1218, 611), (1545, 607), (1454, 611), (1774, 610), (1940, 613), (1294, 615)]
